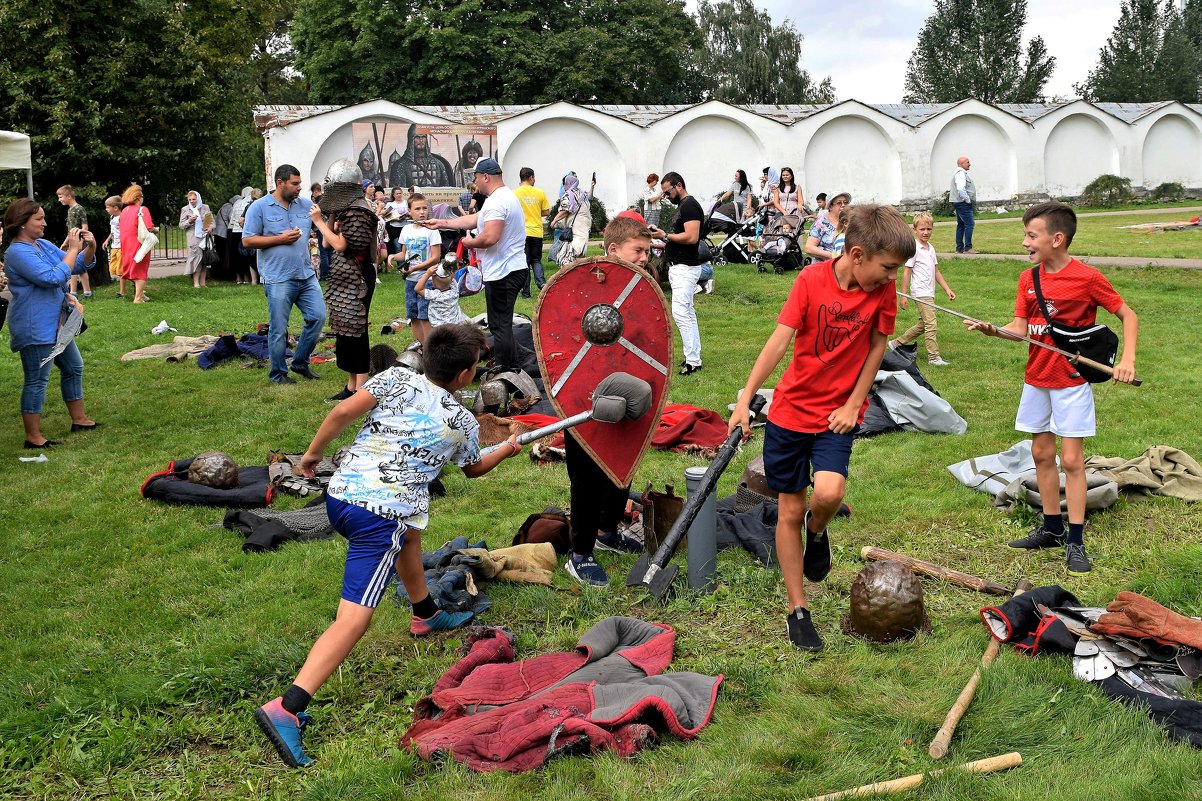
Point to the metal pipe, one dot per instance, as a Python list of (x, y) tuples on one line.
[(703, 535)]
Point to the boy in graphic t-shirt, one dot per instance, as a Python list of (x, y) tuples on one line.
[(839, 316), (1056, 400), (421, 248)]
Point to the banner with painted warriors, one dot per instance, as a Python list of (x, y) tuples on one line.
[(428, 157)]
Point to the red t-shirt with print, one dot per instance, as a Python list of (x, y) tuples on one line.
[(1073, 295), (834, 331)]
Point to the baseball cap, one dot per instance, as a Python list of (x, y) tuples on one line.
[(366, 182), (488, 167)]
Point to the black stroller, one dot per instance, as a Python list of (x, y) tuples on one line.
[(730, 237), (781, 244)]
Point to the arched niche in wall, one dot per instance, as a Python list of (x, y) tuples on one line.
[(1079, 149), (853, 154), (555, 146), (994, 166), (1173, 152), (706, 152)]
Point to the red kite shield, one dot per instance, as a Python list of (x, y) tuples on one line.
[(628, 331)]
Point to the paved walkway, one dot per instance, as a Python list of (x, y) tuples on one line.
[(1184, 212), (1094, 261)]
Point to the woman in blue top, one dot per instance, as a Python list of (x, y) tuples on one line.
[(37, 277)]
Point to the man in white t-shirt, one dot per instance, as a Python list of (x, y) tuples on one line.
[(500, 243)]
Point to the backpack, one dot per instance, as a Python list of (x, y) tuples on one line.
[(469, 278)]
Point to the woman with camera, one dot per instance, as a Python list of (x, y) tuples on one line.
[(37, 277)]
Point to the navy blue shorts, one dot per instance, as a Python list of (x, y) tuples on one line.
[(416, 307), (790, 458), (373, 545)]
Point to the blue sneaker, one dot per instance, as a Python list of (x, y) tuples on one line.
[(618, 543), (284, 730), (442, 620), (586, 570)]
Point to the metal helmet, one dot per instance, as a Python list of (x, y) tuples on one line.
[(492, 397), (753, 487), (886, 604), (214, 469), (343, 171), (411, 360)]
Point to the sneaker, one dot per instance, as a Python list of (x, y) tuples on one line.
[(284, 379), (618, 543), (340, 396), (442, 620), (284, 730), (689, 369), (1078, 562), (970, 250), (938, 362), (87, 294), (586, 570), (816, 563), (801, 630), (1039, 537), (709, 287), (892, 344)]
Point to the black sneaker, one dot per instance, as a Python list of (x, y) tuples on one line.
[(801, 630), (1039, 537), (1078, 562), (816, 564), (340, 396)]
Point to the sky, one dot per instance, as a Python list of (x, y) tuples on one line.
[(871, 41)]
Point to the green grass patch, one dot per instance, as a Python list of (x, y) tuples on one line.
[(137, 638), (1096, 236)]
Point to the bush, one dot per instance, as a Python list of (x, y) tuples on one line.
[(943, 206), (1169, 191), (600, 218), (1107, 190)]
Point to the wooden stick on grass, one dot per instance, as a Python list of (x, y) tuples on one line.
[(1011, 760)]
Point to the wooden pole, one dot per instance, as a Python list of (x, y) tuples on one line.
[(1003, 762), (933, 570)]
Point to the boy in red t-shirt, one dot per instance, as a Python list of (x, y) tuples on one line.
[(839, 316), (1056, 400)]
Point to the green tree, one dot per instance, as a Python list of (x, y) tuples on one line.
[(461, 52), (1149, 56), (155, 92), (750, 60), (973, 48)]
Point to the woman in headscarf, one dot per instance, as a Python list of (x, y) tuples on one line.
[(238, 262), (131, 268), (575, 215), (351, 234), (196, 219)]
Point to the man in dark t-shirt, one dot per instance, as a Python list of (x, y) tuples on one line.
[(684, 266)]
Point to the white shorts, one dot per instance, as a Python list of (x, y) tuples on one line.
[(1066, 412)]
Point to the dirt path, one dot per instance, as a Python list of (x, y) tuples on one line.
[(1189, 211), (1096, 261)]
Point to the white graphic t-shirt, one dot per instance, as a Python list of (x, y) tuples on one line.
[(444, 305), (418, 240), (414, 430)]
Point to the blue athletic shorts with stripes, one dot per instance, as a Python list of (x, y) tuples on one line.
[(373, 546)]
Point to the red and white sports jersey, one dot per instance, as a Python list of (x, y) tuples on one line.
[(1073, 295)]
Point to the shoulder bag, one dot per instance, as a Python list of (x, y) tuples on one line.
[(1096, 342), (147, 239)]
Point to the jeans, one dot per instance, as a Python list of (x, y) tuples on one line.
[(964, 225), (323, 271), (70, 369), (305, 294), (500, 297), (683, 280), (534, 260)]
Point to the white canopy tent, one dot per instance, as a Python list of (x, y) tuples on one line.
[(15, 154)]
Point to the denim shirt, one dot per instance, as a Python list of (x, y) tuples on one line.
[(267, 217), (37, 277)]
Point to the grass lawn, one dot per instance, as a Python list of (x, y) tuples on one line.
[(136, 638), (985, 212), (1096, 236)]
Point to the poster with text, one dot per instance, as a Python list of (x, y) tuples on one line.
[(408, 154)]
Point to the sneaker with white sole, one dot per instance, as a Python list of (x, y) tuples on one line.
[(938, 362), (586, 570)]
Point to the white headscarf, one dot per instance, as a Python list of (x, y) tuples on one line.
[(199, 227), (773, 183)]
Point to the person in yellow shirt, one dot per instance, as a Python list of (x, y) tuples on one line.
[(536, 208)]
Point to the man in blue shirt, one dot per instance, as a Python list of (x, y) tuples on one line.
[(278, 227)]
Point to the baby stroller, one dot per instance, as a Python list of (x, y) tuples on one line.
[(780, 244), (733, 235)]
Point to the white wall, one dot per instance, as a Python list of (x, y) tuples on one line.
[(849, 147)]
